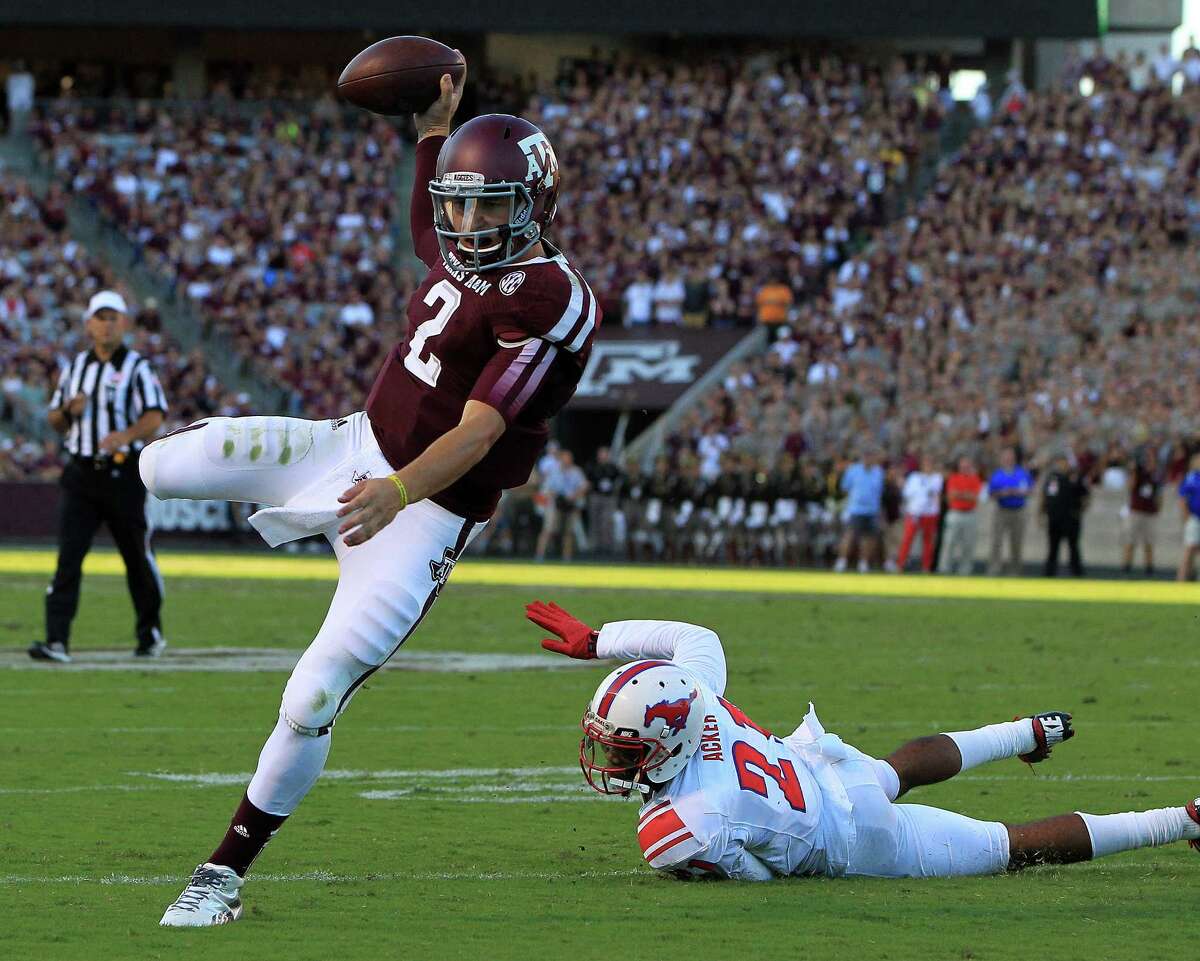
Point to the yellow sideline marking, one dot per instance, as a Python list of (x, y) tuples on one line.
[(540, 577)]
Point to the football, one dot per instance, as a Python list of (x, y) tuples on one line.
[(399, 75)]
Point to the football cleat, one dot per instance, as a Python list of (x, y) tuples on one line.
[(153, 649), (1193, 811), (49, 651), (1050, 729), (210, 898)]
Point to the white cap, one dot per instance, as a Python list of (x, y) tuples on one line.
[(106, 298)]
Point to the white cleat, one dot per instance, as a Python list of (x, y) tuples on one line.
[(210, 898)]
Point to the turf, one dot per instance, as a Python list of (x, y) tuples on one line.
[(382, 863)]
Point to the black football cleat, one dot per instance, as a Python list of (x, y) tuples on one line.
[(49, 651), (1193, 811), (1050, 729)]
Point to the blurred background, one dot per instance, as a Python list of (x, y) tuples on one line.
[(917, 236)]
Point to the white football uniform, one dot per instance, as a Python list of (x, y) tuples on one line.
[(753, 806)]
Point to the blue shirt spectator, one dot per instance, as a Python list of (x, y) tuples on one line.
[(1010, 483), (864, 484), (1189, 490)]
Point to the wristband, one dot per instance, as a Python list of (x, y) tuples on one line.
[(402, 489)]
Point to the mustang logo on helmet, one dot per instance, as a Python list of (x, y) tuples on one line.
[(673, 714)]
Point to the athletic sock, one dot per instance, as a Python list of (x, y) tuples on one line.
[(248, 834), (1111, 833), (994, 742)]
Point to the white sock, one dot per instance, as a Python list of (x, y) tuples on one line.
[(887, 777), (994, 742), (288, 767), (1111, 833)]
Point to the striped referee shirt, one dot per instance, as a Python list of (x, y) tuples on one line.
[(118, 392)]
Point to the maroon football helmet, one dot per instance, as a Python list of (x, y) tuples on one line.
[(493, 165)]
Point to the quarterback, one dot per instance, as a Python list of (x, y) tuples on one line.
[(499, 333), (725, 798)]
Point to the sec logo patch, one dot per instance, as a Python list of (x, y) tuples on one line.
[(510, 282)]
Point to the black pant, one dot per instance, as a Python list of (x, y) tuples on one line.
[(1061, 529), (115, 496)]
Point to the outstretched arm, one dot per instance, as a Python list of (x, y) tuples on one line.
[(695, 648), (433, 127)]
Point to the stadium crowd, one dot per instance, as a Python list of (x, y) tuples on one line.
[(1035, 298), (276, 224), (46, 278), (1032, 300), (694, 187)]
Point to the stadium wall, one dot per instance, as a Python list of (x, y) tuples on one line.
[(32, 516)]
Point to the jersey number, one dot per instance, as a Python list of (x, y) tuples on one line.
[(746, 757), (741, 720), (428, 370)]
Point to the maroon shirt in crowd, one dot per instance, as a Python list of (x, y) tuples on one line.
[(516, 338)]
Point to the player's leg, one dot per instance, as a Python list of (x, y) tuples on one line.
[(939, 757), (910, 532), (125, 515), (260, 460), (385, 588), (79, 516), (928, 542), (1080, 837)]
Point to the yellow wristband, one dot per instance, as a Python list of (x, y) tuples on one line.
[(402, 489)]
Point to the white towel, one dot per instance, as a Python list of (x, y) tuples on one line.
[(314, 509)]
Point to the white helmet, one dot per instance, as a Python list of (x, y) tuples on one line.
[(642, 726)]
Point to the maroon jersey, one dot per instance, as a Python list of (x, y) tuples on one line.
[(516, 338)]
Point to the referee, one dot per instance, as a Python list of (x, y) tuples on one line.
[(108, 401)]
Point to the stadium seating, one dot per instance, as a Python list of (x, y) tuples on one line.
[(46, 278), (276, 223)]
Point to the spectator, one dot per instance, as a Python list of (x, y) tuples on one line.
[(566, 491), (1165, 66), (19, 88), (1189, 491), (1144, 486), (921, 495), (669, 294), (772, 303), (862, 482), (604, 482), (638, 302), (1009, 487), (961, 527), (1064, 499)]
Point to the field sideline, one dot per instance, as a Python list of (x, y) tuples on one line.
[(257, 566)]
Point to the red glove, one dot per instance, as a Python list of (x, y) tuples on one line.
[(575, 639)]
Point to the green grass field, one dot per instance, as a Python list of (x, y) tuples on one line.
[(116, 778)]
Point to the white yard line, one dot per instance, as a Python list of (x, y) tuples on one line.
[(241, 660)]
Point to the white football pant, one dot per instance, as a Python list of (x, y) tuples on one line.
[(913, 840), (385, 586)]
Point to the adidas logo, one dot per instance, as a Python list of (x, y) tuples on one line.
[(239, 829)]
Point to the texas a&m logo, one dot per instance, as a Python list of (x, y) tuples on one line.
[(673, 714), (440, 570), (543, 165)]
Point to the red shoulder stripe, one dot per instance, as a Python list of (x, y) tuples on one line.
[(660, 826), (650, 812), (667, 845)]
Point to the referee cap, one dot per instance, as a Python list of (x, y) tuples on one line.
[(105, 298)]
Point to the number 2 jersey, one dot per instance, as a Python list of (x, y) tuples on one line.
[(516, 338), (748, 805)]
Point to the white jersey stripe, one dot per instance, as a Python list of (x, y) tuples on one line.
[(581, 338), (574, 310)]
